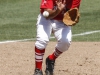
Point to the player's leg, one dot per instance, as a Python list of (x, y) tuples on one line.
[(43, 35), (63, 36)]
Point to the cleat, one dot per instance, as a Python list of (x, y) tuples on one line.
[(38, 72), (49, 66)]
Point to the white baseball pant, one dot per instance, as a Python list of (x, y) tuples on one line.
[(61, 32)]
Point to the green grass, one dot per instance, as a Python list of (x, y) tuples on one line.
[(91, 37), (89, 21), (18, 20)]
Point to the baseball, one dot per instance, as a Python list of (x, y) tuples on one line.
[(45, 13)]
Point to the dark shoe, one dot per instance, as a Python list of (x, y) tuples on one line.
[(49, 66), (38, 72)]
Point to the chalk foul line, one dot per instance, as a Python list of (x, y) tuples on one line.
[(86, 33), (81, 34)]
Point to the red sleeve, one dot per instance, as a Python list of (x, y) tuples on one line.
[(46, 4), (73, 3)]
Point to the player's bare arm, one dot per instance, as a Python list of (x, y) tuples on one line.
[(60, 6)]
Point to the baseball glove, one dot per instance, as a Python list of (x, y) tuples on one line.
[(71, 17)]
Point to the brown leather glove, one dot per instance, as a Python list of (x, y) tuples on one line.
[(71, 17)]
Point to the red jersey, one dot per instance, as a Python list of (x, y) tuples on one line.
[(50, 4)]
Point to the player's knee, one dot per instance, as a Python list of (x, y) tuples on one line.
[(41, 44), (64, 44)]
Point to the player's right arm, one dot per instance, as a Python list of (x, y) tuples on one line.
[(53, 12)]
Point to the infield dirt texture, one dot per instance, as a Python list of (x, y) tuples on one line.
[(82, 58)]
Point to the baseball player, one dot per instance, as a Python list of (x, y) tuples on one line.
[(52, 23)]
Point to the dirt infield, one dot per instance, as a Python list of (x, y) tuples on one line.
[(82, 58)]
